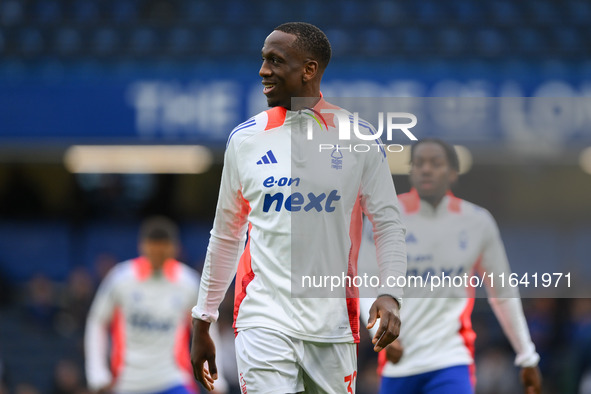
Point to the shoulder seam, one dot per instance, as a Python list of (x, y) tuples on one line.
[(244, 125)]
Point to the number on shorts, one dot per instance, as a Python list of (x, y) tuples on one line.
[(351, 380)]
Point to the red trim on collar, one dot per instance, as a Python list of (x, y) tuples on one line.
[(411, 202), (276, 117), (143, 268), (454, 202)]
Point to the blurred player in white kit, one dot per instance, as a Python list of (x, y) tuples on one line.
[(445, 234), (143, 307)]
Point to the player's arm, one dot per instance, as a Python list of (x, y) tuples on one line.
[(506, 305), (221, 385), (226, 243), (96, 337), (380, 204)]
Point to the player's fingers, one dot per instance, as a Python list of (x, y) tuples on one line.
[(379, 332), (394, 326), (206, 379), (198, 370), (381, 335), (373, 316), (213, 370), (392, 331), (531, 390), (207, 376)]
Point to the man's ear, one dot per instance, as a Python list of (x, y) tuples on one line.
[(310, 70), (453, 177)]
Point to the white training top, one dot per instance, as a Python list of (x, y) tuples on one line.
[(149, 321), (301, 204), (455, 238)]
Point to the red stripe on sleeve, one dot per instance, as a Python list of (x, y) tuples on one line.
[(355, 231), (117, 343), (244, 276)]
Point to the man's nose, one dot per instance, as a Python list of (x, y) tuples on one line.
[(265, 70), (426, 169)]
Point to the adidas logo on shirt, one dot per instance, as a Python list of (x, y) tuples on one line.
[(411, 238), (268, 158)]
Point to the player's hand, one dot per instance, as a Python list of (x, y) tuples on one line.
[(386, 308), (531, 378), (394, 351), (202, 351)]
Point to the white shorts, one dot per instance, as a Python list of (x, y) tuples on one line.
[(271, 362)]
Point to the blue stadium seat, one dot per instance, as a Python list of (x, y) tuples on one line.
[(124, 12), (468, 12), (505, 12), (30, 42), (255, 39), (237, 13), (578, 11), (528, 40), (430, 12), (543, 12), (389, 13), (317, 13), (200, 12), (105, 41), (273, 13), (413, 39), (490, 42), (375, 42), (67, 41), (48, 12), (568, 40), (11, 12), (143, 41), (340, 41), (86, 12), (221, 41), (351, 13), (451, 41), (30, 248), (182, 41)]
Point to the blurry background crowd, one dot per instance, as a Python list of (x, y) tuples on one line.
[(185, 72)]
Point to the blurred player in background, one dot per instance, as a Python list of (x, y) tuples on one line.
[(145, 303), (286, 344), (435, 350)]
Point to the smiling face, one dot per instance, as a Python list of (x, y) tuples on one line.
[(286, 71), (431, 173)]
